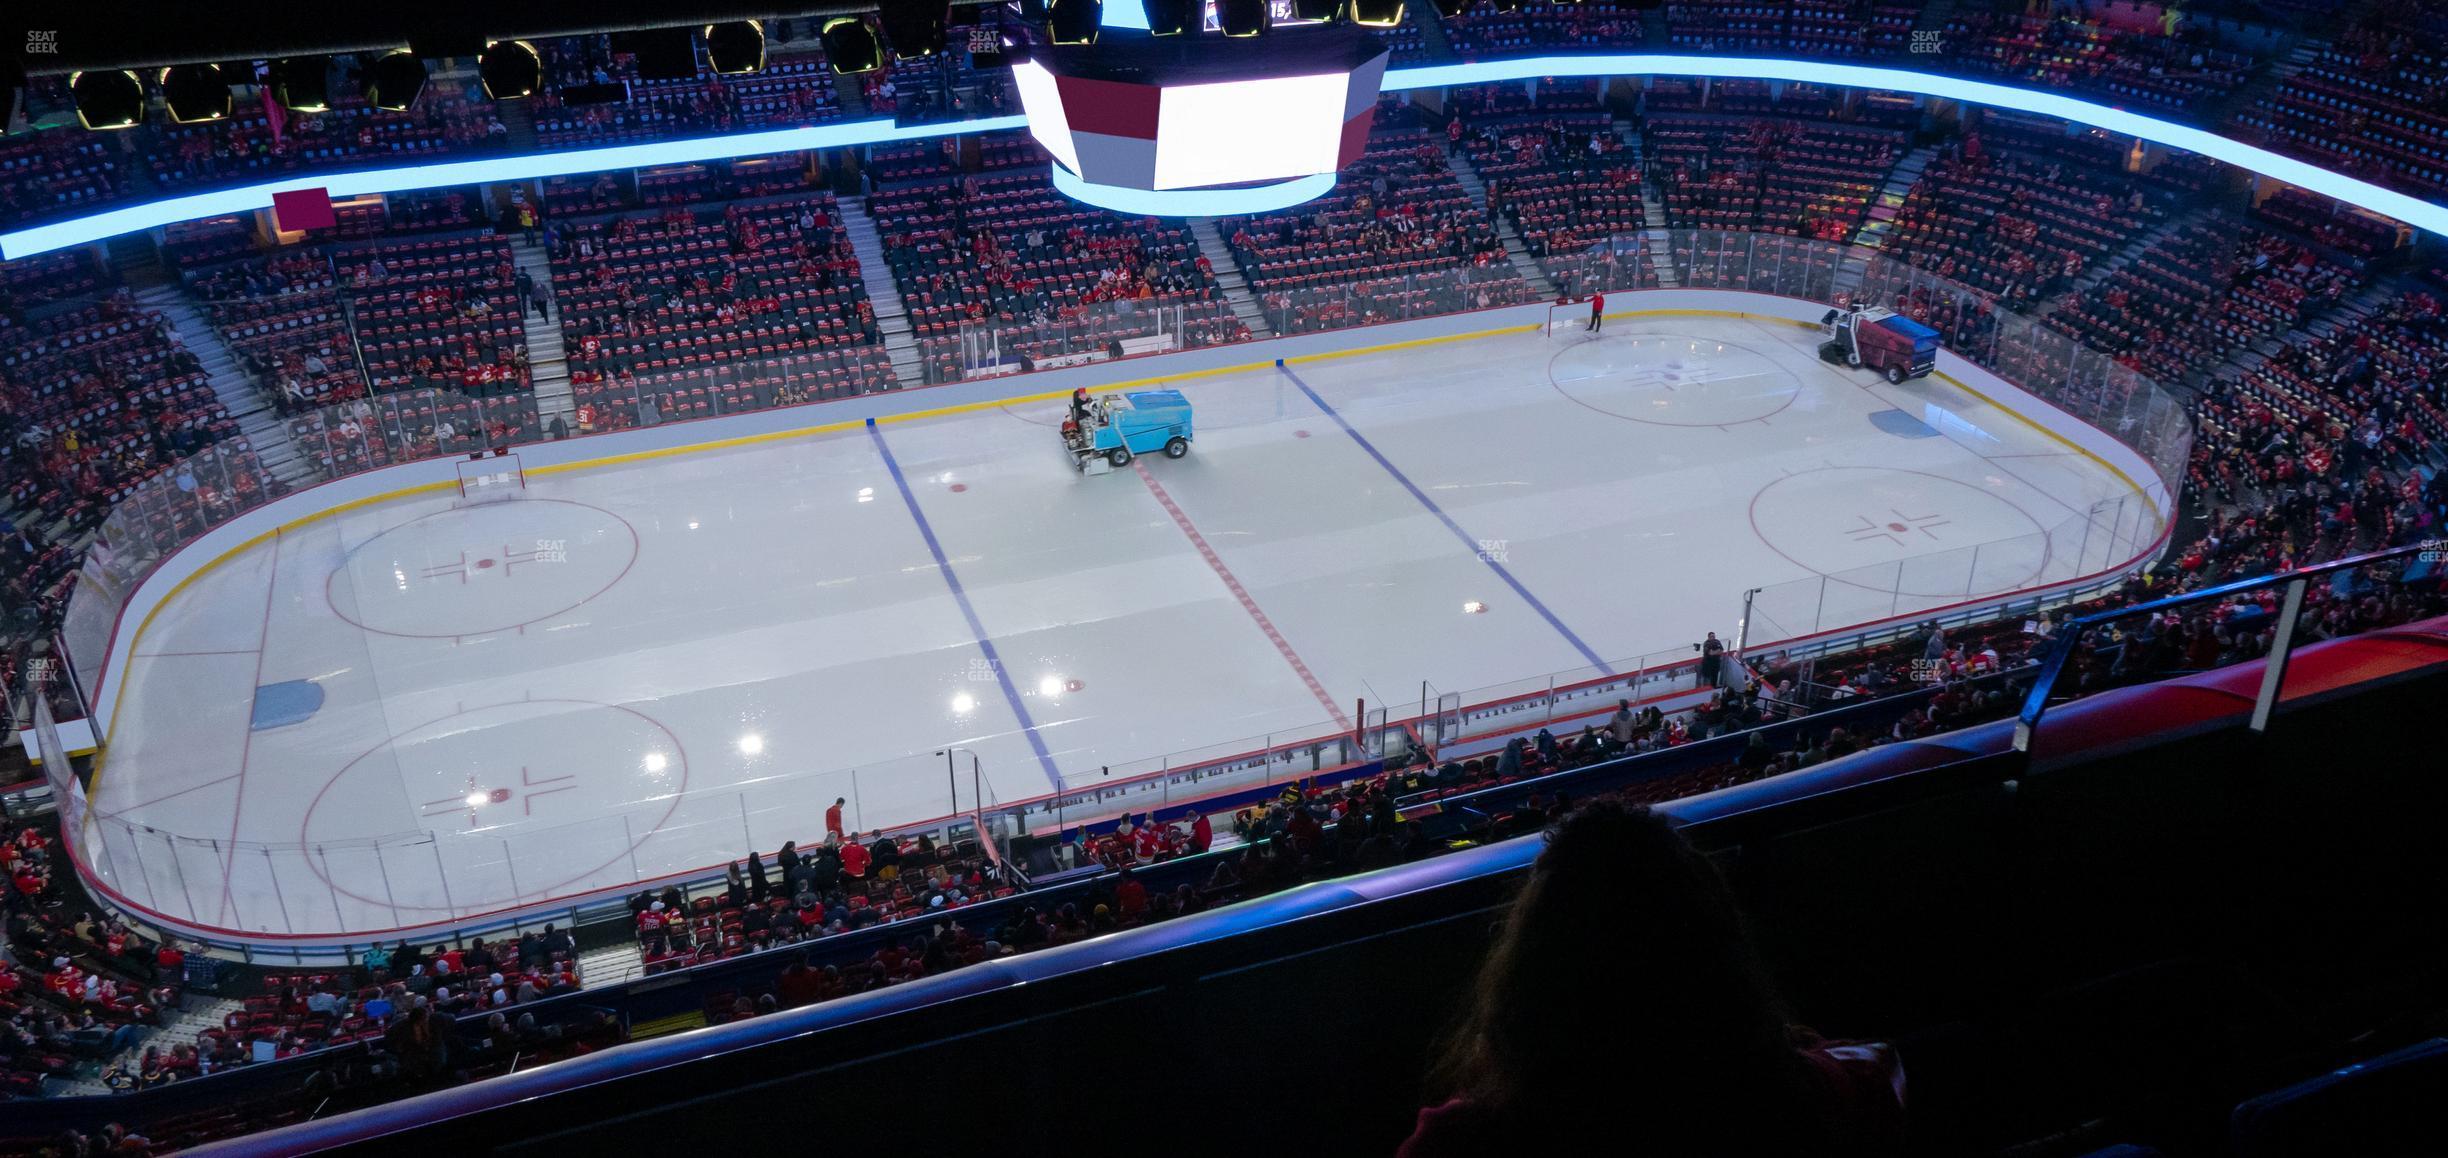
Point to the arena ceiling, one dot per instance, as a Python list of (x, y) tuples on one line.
[(146, 33)]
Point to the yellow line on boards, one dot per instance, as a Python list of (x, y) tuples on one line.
[(2060, 439)]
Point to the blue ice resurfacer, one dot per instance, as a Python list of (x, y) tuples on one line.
[(1107, 432)]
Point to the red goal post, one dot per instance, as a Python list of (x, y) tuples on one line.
[(489, 475), (1566, 317)]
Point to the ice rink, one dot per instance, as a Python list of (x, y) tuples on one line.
[(424, 709)]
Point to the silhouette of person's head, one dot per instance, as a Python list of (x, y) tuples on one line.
[(1623, 993)]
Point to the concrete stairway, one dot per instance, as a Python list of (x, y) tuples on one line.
[(1218, 253), (610, 965), (547, 360), (1878, 224), (1541, 286), (244, 401), (892, 316), (1653, 213), (519, 118)]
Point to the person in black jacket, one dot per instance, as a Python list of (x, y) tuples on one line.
[(757, 884)]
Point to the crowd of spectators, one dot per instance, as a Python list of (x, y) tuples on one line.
[(2373, 102), (1398, 237), (1552, 162), (2360, 395), (2126, 57), (794, 88), (2202, 291), (845, 883), (998, 266), (686, 313), (260, 141), (1539, 26), (1808, 178), (97, 400), (74, 990), (2017, 224), (56, 173)]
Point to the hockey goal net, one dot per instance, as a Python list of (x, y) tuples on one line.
[(1568, 319), (486, 477)]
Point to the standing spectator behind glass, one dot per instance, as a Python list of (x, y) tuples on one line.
[(1622, 1000)]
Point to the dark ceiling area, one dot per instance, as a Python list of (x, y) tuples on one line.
[(120, 34)]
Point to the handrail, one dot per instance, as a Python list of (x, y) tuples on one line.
[(2061, 646)]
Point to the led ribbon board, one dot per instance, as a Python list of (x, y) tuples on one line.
[(2424, 215)]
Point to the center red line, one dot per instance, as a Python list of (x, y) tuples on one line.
[(1232, 583)]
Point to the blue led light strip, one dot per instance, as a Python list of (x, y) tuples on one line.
[(2421, 214), (1234, 202), (2424, 215), (443, 174)]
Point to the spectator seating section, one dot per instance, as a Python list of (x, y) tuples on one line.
[(439, 313), (2333, 224), (1797, 28), (2369, 103), (760, 304), (49, 277), (1803, 177), (2014, 223), (920, 882), (2321, 400), (94, 401), (57, 173), (2093, 57), (2200, 292), (1003, 254), (1556, 167), (1398, 237), (274, 337), (794, 88), (247, 147), (1540, 26)]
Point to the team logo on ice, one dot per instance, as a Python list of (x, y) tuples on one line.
[(1893, 530)]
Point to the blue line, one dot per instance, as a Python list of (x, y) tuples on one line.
[(926, 530), (1451, 525)]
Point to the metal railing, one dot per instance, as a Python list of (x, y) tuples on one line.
[(2347, 578)]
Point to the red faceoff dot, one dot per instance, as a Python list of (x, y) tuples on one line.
[(959, 487), (1300, 434)]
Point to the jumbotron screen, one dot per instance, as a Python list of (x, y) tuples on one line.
[(1281, 10), (1162, 115)]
